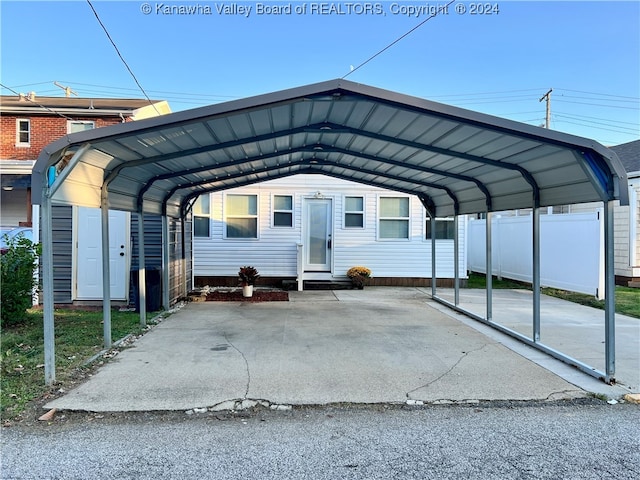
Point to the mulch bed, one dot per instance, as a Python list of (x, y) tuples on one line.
[(258, 296)]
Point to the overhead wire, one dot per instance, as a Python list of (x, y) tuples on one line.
[(121, 57), (26, 97), (395, 41)]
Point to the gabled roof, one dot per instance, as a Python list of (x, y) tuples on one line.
[(455, 160), (629, 155), (72, 105)]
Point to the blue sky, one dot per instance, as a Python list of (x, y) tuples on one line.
[(499, 63)]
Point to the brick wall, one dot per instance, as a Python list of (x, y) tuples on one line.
[(44, 130)]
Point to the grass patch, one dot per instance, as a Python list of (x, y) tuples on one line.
[(78, 336), (477, 280), (627, 299)]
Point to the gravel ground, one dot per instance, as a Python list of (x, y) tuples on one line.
[(582, 439)]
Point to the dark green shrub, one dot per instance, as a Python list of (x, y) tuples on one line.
[(19, 263)]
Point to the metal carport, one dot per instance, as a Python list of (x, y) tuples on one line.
[(456, 161)]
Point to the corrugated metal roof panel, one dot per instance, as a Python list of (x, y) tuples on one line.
[(460, 159)]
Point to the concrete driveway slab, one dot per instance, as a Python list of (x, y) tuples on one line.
[(370, 346)]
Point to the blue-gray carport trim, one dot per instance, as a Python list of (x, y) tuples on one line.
[(457, 162)]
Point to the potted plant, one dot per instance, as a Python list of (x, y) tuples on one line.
[(248, 276), (358, 276)]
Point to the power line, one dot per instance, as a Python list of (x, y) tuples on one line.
[(26, 97), (585, 122), (598, 105), (601, 94), (395, 41), (121, 57)]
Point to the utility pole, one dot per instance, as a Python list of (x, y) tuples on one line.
[(547, 97), (67, 90)]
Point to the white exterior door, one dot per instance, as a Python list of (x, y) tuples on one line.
[(317, 241), (89, 254)]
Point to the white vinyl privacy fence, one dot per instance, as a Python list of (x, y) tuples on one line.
[(571, 250)]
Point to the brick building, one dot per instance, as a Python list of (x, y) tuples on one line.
[(28, 123)]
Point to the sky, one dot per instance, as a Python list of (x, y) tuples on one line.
[(498, 58)]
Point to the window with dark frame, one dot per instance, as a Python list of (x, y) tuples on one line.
[(283, 211), (445, 229), (353, 212)]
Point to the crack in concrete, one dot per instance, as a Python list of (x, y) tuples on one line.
[(246, 364), (448, 371)]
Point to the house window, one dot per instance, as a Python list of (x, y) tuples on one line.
[(74, 126), (394, 218), (201, 211), (242, 216), (560, 209), (23, 132), (445, 228), (353, 212), (282, 211)]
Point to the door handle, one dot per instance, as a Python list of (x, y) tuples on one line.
[(122, 254), (329, 244)]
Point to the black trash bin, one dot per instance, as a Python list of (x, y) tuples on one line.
[(153, 289)]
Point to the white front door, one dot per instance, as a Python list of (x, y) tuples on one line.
[(89, 254), (317, 241)]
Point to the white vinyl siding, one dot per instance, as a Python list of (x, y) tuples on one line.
[(274, 254)]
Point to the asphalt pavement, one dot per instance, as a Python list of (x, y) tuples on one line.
[(492, 441)]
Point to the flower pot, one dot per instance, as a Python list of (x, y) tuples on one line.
[(247, 290)]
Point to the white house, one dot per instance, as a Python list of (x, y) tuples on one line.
[(322, 226)]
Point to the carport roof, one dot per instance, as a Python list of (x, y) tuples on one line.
[(455, 160)]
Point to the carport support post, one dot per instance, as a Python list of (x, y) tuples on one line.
[(536, 273), (609, 293), (456, 262), (106, 273), (183, 256), (47, 290), (432, 221), (165, 262), (142, 276), (489, 268)]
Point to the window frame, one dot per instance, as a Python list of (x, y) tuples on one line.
[(20, 143), (353, 212), (200, 214), (227, 216), (81, 122), (381, 219), (275, 210), (438, 220)]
